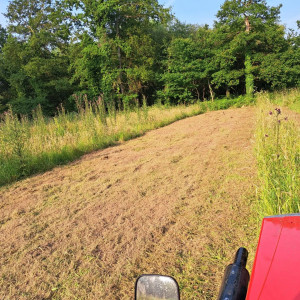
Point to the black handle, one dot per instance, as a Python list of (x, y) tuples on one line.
[(236, 278)]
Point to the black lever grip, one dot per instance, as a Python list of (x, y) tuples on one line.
[(236, 278)]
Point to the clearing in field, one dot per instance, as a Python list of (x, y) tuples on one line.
[(175, 201)]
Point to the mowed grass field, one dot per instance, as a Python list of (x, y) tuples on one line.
[(176, 201), (33, 145)]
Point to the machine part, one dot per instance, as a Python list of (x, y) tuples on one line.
[(236, 278)]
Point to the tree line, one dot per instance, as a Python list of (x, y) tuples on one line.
[(130, 52)]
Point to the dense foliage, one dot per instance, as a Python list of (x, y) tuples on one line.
[(131, 52)]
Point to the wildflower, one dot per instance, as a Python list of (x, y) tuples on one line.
[(279, 121), (270, 113), (266, 135), (278, 110), (286, 118)]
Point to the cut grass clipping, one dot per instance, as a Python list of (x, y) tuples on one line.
[(175, 202), (278, 156), (31, 146)]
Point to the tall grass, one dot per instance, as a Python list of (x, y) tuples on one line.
[(278, 155), (31, 146), (288, 98)]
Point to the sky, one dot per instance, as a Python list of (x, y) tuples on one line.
[(203, 11)]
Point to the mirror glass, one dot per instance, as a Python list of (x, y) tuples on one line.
[(156, 287)]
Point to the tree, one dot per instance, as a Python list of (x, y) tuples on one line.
[(117, 46), (227, 65), (247, 22), (4, 85), (35, 55), (3, 37), (178, 29), (188, 68), (280, 68)]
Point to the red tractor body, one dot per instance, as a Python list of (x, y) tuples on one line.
[(275, 274)]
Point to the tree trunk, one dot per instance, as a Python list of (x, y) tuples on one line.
[(247, 23), (249, 78), (198, 94), (211, 92), (248, 75), (227, 92), (119, 57)]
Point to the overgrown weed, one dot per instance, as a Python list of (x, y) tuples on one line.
[(278, 156), (31, 146), (289, 98)]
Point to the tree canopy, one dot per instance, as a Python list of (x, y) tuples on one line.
[(133, 51)]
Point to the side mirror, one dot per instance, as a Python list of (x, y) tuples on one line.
[(156, 287)]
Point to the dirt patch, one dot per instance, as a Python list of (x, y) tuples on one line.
[(175, 201)]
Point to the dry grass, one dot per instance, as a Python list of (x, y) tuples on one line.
[(39, 144), (175, 201), (31, 146)]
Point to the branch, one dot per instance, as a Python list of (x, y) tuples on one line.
[(30, 29)]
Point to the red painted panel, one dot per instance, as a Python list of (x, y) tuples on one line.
[(276, 269)]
